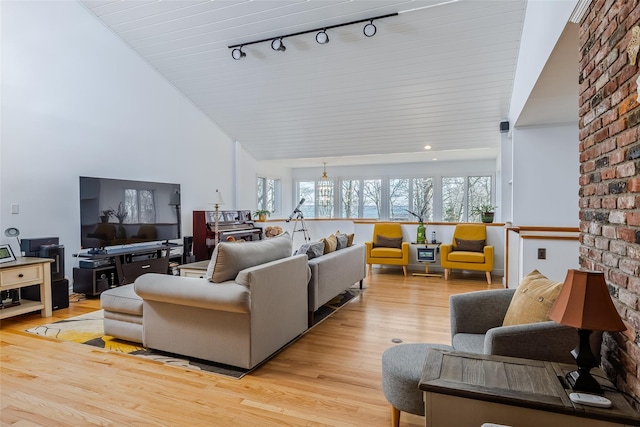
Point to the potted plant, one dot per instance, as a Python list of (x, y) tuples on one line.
[(121, 213), (262, 214), (106, 214), (485, 211), (422, 230)]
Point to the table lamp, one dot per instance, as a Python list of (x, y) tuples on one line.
[(584, 303), (217, 200)]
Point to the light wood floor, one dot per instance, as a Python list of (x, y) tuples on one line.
[(329, 377)]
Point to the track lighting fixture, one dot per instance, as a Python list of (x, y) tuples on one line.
[(369, 30), (276, 44), (322, 37), (237, 53)]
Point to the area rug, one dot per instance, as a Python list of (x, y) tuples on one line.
[(88, 329)]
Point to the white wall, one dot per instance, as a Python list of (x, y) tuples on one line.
[(545, 176), (76, 101), (544, 22)]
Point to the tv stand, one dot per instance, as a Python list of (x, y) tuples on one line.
[(119, 266), (97, 251)]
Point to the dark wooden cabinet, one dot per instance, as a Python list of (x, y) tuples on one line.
[(120, 267)]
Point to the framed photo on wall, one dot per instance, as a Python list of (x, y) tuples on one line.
[(6, 254)]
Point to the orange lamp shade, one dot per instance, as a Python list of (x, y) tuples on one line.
[(584, 303)]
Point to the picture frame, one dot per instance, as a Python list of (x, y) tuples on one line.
[(6, 254)]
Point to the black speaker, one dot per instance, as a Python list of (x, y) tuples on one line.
[(59, 294), (504, 127), (187, 250)]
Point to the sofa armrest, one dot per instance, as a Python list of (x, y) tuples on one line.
[(194, 292), (541, 341), (477, 312)]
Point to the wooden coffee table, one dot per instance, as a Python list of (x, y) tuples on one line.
[(463, 389)]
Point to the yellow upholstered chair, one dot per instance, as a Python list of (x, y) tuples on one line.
[(387, 246), (468, 251)]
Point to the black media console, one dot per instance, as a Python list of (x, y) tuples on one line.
[(120, 266)]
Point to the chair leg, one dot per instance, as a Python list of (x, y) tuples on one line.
[(446, 274), (395, 416), (404, 269), (369, 270), (488, 273)]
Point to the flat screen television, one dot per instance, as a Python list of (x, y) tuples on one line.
[(115, 212)]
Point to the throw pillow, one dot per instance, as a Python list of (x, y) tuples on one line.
[(229, 258), (311, 250), (342, 241), (330, 244), (350, 239), (388, 242), (532, 300), (469, 245)]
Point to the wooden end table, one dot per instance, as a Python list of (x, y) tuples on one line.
[(27, 271), (463, 389), (194, 269)]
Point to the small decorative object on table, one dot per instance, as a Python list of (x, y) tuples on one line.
[(422, 230), (6, 254)]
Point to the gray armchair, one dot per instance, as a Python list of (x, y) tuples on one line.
[(476, 327)]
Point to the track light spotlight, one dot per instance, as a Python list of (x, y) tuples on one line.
[(276, 44), (322, 37), (237, 53), (369, 30)]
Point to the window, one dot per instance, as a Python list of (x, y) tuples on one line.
[(398, 199), (453, 199), (350, 198), (393, 198), (460, 196), (479, 194), (372, 198), (140, 206), (268, 194), (422, 197)]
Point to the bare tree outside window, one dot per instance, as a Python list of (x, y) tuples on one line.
[(423, 197), (350, 198), (479, 194), (453, 199), (372, 198), (398, 199)]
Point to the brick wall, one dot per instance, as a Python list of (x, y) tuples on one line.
[(609, 174)]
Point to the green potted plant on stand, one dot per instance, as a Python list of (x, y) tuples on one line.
[(486, 212), (262, 214), (421, 236)]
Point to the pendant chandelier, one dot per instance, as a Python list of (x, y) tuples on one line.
[(324, 188)]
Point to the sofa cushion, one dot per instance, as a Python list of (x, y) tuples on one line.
[(386, 253), (463, 256), (330, 244), (311, 250), (229, 259), (532, 300), (469, 245), (388, 242)]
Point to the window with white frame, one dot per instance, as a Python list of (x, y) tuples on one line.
[(395, 198), (268, 194)]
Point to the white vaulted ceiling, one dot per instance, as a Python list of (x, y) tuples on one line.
[(440, 75)]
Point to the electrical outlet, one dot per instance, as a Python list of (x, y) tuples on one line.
[(542, 253)]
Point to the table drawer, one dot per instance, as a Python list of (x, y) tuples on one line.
[(193, 273), (21, 275)]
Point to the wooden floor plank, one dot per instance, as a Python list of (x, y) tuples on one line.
[(329, 377)]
